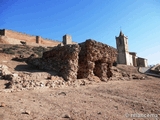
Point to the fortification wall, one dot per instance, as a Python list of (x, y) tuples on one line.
[(49, 42), (13, 37), (3, 39), (20, 36), (7, 40)]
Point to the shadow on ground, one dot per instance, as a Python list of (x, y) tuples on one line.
[(28, 68)]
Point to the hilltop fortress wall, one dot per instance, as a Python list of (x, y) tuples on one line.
[(13, 37)]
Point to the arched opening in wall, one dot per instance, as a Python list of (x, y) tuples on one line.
[(97, 69), (82, 68)]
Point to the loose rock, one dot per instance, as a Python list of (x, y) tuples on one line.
[(2, 104)]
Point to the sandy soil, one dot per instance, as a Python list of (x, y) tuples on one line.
[(104, 101), (114, 100)]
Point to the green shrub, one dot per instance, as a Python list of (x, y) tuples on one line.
[(39, 53), (20, 52), (39, 50), (8, 51), (15, 46), (27, 47)]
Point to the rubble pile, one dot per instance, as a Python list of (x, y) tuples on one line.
[(4, 72), (125, 75), (27, 80)]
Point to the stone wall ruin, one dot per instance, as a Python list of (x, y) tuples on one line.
[(77, 61), (63, 60), (95, 58)]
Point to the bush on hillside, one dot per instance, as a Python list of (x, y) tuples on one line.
[(39, 50), (8, 51)]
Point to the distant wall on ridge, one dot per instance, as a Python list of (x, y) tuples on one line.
[(13, 37)]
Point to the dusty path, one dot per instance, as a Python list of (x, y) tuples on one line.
[(103, 101)]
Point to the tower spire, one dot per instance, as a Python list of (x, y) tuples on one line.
[(121, 33)]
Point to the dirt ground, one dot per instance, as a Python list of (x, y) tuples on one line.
[(114, 100)]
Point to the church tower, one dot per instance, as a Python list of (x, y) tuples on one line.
[(122, 47)]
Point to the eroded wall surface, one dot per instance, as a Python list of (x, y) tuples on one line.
[(82, 60), (95, 58), (61, 59)]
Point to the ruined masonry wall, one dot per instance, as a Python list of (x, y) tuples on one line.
[(84, 60), (62, 59), (95, 59)]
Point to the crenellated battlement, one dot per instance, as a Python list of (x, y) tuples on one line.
[(14, 37), (16, 32)]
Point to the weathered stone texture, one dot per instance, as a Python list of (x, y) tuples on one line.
[(95, 58), (84, 60), (61, 59)]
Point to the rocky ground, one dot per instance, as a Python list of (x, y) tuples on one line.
[(126, 96), (100, 101)]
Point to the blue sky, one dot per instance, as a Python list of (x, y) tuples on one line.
[(83, 19)]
